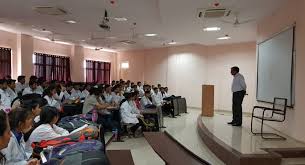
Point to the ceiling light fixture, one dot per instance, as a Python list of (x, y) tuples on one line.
[(71, 22), (212, 29), (172, 42), (150, 35), (120, 19), (226, 37)]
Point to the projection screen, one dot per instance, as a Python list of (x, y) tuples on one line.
[(275, 65)]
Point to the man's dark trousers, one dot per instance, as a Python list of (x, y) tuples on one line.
[(238, 98)]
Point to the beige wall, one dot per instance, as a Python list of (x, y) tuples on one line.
[(282, 18), (23, 47), (185, 68)]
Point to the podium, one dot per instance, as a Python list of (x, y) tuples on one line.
[(207, 100)]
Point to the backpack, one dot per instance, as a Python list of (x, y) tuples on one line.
[(87, 133), (87, 151), (70, 123)]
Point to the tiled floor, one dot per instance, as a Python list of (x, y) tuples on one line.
[(241, 138), (184, 129)]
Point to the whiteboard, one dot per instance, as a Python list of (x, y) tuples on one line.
[(275, 68)]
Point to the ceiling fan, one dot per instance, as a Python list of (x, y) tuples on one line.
[(237, 22)]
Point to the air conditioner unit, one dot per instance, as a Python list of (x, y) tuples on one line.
[(213, 13)]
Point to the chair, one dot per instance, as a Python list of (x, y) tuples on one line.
[(276, 114)]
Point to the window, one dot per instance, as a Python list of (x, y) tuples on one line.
[(5, 62), (52, 67), (97, 72)]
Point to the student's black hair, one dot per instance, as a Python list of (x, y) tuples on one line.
[(139, 82), (3, 122), (235, 68), (20, 78), (147, 92), (33, 78), (95, 90), (17, 116), (32, 82), (33, 103), (127, 95), (135, 93), (47, 115), (155, 88), (107, 86), (49, 90)]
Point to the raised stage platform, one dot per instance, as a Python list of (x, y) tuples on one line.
[(238, 146)]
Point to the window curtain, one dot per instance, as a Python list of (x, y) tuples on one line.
[(52, 67), (98, 72), (5, 62)]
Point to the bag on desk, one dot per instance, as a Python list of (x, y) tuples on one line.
[(84, 152), (70, 123)]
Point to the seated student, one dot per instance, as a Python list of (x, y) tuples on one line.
[(85, 92), (112, 83), (5, 134), (129, 117), (47, 128), (32, 88), (68, 93), (35, 105), (20, 85), (20, 121), (157, 99), (117, 95), (134, 101), (75, 92), (41, 84), (49, 96), (107, 94), (91, 102), (59, 95), (5, 97), (127, 87), (11, 89), (145, 101), (166, 92)]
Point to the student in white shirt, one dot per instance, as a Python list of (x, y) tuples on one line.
[(117, 95), (47, 128), (32, 88), (127, 87), (20, 85), (107, 94), (132, 103), (85, 92), (239, 88), (59, 95), (166, 92), (76, 93), (145, 101), (129, 117), (5, 134), (11, 89), (68, 92), (20, 121), (5, 97), (49, 96)]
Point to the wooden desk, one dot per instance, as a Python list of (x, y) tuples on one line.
[(152, 113)]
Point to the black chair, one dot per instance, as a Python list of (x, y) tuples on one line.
[(276, 114)]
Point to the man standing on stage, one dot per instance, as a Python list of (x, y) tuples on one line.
[(239, 90)]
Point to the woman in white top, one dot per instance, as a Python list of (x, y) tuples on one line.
[(85, 92), (20, 121), (128, 116), (107, 94), (49, 96), (47, 129)]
